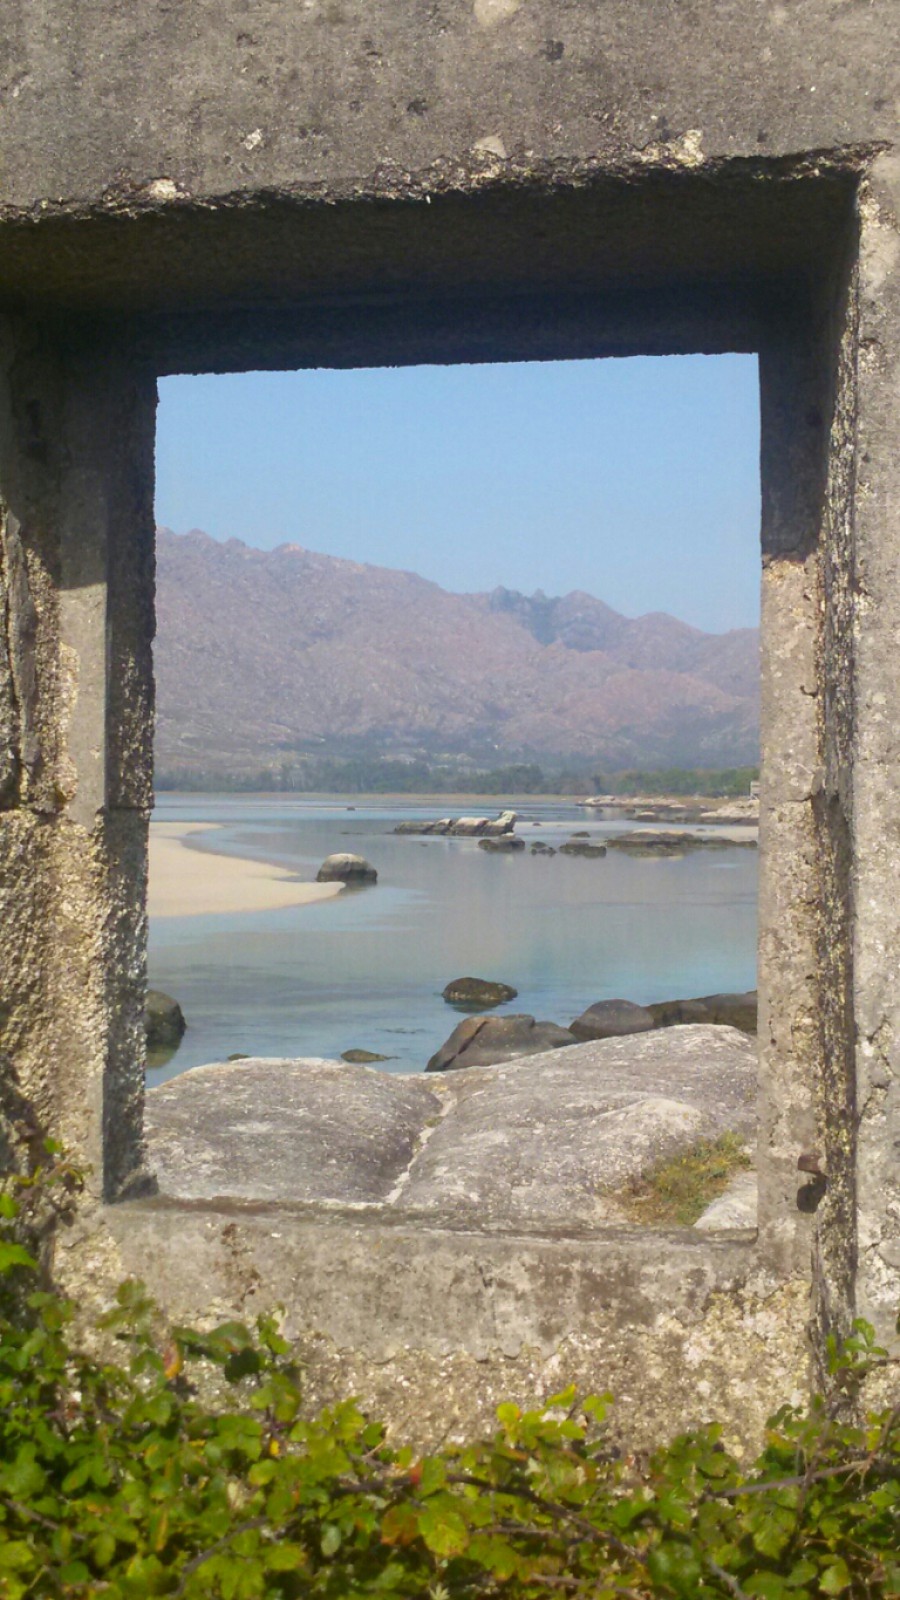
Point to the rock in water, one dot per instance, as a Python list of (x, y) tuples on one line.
[(611, 1019), (363, 1058), (503, 844), (164, 1022), (482, 1041), (727, 1010), (478, 993), (504, 824), (577, 846), (345, 868)]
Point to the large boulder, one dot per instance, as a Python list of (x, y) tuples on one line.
[(550, 1142), (611, 1019), (300, 1130), (545, 1145), (164, 1022), (469, 827), (726, 1010), (478, 993), (346, 868), (482, 1041)]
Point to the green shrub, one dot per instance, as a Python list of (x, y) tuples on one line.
[(116, 1480)]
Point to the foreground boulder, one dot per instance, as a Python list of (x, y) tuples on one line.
[(612, 1019), (545, 1144), (478, 992), (726, 1010), (482, 1041), (346, 868), (164, 1023)]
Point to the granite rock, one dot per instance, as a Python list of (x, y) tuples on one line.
[(610, 1019), (481, 1041)]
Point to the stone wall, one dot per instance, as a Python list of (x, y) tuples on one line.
[(219, 187)]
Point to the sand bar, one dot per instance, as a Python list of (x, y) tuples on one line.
[(186, 882)]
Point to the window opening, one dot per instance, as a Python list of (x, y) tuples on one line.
[(389, 598)]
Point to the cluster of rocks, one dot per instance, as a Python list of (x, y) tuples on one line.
[(484, 1041), (644, 842), (464, 827), (647, 808)]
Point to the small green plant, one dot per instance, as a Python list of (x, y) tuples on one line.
[(116, 1480), (676, 1191)]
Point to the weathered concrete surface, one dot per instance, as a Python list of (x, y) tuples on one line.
[(543, 1143), (76, 441), (215, 187), (292, 95), (433, 1327), (864, 596)]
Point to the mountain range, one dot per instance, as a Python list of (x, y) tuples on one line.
[(265, 655)]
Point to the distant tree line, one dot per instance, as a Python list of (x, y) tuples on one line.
[(378, 775), (717, 782)]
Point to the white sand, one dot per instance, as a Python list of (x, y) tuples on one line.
[(192, 883)]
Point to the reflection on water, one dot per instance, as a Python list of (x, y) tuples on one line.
[(366, 970)]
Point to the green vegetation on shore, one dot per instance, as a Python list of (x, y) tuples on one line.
[(376, 775)]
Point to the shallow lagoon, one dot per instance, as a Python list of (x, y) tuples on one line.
[(366, 970)]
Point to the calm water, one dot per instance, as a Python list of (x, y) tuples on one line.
[(366, 969)]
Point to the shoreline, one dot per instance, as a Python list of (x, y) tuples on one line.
[(188, 882)]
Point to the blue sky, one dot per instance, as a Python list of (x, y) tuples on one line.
[(637, 480)]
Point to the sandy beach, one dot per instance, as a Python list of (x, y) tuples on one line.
[(185, 882)]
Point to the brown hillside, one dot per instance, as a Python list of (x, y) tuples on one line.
[(263, 653)]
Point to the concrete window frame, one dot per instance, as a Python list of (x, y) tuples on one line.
[(745, 255)]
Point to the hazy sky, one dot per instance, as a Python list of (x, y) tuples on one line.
[(637, 480)]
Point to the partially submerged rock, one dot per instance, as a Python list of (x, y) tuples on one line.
[(464, 827), (645, 842), (612, 1019), (578, 846), (346, 868), (363, 1058), (481, 1041), (504, 844), (726, 1010), (478, 993), (164, 1022)]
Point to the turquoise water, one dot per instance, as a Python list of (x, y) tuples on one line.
[(366, 969)]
